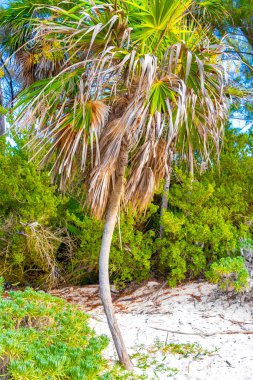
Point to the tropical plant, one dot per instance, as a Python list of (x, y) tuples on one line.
[(130, 76), (31, 228), (131, 250), (204, 222), (230, 274), (43, 337)]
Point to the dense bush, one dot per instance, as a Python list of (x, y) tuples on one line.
[(44, 338), (208, 218), (30, 234), (132, 248), (230, 274), (203, 224)]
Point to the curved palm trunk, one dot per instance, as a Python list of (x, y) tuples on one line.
[(104, 281)]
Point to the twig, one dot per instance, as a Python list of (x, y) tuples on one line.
[(166, 339), (203, 333), (158, 291), (236, 322)]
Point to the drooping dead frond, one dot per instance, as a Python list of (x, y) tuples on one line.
[(25, 67), (147, 169), (70, 140), (102, 175)]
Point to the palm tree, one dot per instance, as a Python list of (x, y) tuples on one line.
[(131, 75)]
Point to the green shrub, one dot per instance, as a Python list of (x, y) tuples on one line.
[(131, 251), (44, 338), (230, 274), (30, 230), (199, 228)]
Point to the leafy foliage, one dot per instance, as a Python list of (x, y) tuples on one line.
[(207, 217), (44, 338), (30, 234), (229, 273), (132, 247), (183, 349), (198, 228), (157, 357)]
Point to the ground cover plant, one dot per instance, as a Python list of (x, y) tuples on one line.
[(156, 357), (43, 338)]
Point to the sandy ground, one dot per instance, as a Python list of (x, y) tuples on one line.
[(153, 316)]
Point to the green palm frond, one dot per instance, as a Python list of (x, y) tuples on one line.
[(156, 23)]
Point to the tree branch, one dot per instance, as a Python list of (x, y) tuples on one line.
[(249, 332)]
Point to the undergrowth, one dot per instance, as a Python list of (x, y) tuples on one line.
[(44, 338), (230, 274), (156, 358)]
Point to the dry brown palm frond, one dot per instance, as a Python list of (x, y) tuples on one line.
[(32, 65), (25, 67), (102, 175), (147, 170), (70, 143)]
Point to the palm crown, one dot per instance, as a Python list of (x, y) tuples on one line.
[(141, 73)]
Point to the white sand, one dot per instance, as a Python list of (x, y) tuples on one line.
[(192, 309)]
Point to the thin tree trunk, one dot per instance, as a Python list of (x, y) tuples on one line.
[(164, 204), (191, 161), (2, 118), (166, 187), (9, 80), (104, 281)]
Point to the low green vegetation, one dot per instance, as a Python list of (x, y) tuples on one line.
[(43, 338), (156, 358), (30, 235), (230, 274), (185, 350), (198, 228), (146, 362)]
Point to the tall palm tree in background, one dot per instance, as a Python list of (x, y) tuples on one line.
[(110, 87)]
